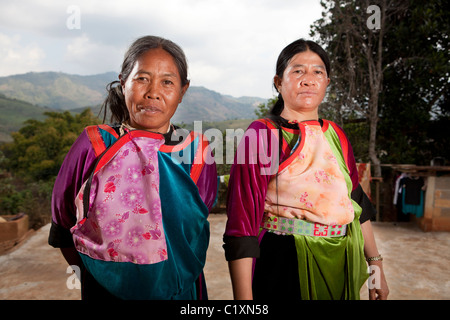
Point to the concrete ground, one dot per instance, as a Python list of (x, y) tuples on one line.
[(416, 265)]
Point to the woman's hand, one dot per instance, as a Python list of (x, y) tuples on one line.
[(378, 290)]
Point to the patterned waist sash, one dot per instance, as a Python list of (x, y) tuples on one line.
[(302, 227)]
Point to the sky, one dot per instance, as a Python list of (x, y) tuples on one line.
[(231, 45)]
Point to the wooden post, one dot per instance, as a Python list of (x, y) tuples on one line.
[(377, 195), (427, 222)]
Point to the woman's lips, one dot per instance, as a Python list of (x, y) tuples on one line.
[(308, 93), (152, 109)]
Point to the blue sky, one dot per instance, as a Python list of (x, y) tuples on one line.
[(231, 45)]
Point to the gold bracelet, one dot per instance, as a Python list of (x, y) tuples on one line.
[(377, 258)]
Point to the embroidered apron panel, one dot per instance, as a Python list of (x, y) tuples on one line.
[(312, 186), (124, 220)]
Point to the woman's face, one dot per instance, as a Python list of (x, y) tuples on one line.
[(153, 91), (303, 85)]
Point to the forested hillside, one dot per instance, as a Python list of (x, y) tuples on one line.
[(14, 113)]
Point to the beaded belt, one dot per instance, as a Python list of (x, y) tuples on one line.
[(302, 227)]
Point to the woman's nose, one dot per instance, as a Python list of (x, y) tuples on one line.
[(152, 91), (307, 80)]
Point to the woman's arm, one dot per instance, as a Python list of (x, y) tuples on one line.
[(241, 278), (74, 170), (245, 207), (381, 290), (71, 255)]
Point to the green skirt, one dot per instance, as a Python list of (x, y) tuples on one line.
[(332, 268)]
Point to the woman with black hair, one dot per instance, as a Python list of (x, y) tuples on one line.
[(299, 223), (131, 200)]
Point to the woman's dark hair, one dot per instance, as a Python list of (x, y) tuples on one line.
[(115, 100), (285, 57)]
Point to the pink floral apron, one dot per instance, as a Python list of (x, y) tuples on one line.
[(310, 184), (123, 222)]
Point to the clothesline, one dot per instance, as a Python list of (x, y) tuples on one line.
[(422, 171)]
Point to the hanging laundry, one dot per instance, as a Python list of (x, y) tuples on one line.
[(412, 189), (398, 188)]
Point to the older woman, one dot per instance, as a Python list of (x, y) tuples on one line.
[(301, 231), (131, 200)]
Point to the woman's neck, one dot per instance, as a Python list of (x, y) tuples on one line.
[(299, 116), (127, 125)]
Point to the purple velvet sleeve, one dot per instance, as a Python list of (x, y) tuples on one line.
[(76, 168), (249, 178), (207, 184)]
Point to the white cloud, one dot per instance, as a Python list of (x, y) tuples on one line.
[(84, 56), (19, 57), (231, 45)]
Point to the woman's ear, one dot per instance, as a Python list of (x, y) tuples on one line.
[(277, 83), (122, 82), (183, 90)]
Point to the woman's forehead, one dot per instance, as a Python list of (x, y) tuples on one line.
[(306, 58), (156, 59)]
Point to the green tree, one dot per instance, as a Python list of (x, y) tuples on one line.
[(263, 109), (29, 164), (38, 148), (357, 58), (414, 102), (394, 76)]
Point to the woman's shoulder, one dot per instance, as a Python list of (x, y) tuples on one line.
[(339, 130), (176, 135), (259, 123), (261, 128), (263, 123)]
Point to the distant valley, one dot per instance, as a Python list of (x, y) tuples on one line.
[(28, 96)]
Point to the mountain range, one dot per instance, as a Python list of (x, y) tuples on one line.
[(28, 96)]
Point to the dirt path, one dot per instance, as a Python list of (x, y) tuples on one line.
[(416, 265)]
